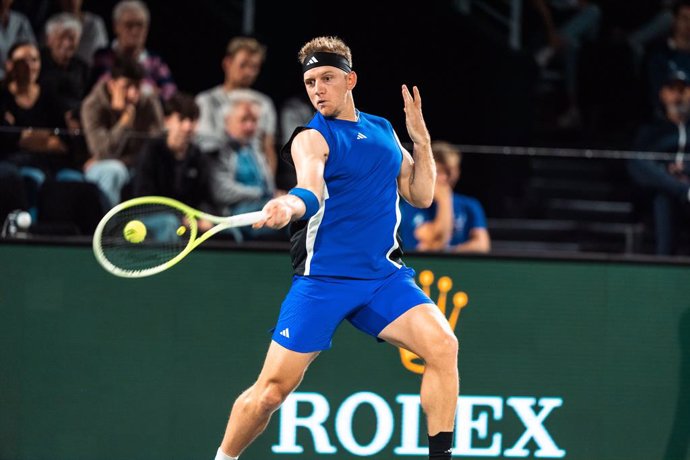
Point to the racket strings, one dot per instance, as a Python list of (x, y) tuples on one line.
[(145, 236)]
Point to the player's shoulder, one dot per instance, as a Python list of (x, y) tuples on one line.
[(308, 136)]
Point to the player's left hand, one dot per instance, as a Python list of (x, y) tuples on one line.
[(416, 127)]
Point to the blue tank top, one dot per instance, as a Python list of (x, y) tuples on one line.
[(353, 235)]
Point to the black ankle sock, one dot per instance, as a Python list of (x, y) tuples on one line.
[(440, 445)]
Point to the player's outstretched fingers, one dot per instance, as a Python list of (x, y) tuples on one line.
[(417, 97), (407, 97)]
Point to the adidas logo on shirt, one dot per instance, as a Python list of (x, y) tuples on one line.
[(361, 136), (313, 60), (285, 333)]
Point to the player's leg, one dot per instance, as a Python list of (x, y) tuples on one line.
[(424, 331), (304, 328), (401, 314), (282, 372)]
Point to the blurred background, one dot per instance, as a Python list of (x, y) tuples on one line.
[(560, 137), (549, 102)]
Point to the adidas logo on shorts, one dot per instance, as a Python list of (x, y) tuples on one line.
[(285, 333)]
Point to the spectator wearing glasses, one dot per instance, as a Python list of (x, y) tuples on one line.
[(131, 19), (94, 35)]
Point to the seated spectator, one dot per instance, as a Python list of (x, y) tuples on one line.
[(241, 180), (14, 28), (295, 111), (61, 70), (34, 111), (131, 20), (118, 119), (94, 35), (667, 184), (672, 53), (568, 24), (454, 222), (242, 63), (171, 165)]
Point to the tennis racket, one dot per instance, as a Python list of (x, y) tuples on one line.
[(146, 235)]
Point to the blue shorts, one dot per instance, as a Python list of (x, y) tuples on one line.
[(316, 305)]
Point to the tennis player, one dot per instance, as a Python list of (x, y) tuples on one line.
[(351, 170)]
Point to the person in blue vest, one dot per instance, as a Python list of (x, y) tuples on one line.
[(454, 222), (351, 173)]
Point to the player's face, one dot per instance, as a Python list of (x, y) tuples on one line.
[(327, 88)]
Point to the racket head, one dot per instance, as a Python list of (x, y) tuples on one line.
[(144, 236)]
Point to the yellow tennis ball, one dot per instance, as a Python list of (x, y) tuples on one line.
[(181, 230), (135, 231)]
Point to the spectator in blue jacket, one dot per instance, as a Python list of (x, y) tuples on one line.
[(454, 222)]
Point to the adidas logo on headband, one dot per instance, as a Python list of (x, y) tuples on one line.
[(321, 58)]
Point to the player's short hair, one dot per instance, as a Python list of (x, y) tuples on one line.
[(326, 44), (62, 21), (182, 104), (130, 5), (248, 44)]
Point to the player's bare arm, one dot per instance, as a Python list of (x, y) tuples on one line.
[(309, 153), (418, 171)]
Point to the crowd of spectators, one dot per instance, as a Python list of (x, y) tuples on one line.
[(80, 106), (639, 63)]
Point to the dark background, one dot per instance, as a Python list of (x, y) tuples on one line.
[(476, 90)]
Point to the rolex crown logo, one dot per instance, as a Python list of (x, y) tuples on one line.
[(412, 362)]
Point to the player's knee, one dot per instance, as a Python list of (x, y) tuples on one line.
[(443, 350), (271, 397)]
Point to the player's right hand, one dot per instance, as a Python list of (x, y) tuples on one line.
[(278, 214)]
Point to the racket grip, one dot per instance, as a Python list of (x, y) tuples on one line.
[(249, 218)]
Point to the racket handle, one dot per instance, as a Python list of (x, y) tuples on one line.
[(249, 218)]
